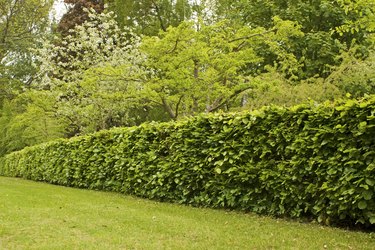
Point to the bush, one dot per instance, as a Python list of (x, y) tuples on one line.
[(307, 161)]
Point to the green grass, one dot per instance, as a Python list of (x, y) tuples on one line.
[(41, 216)]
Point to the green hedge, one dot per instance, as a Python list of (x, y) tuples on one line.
[(315, 161)]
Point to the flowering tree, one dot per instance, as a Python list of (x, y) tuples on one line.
[(94, 69)]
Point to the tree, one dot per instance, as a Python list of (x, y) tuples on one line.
[(360, 17), (21, 23), (148, 17), (29, 119), (77, 15), (98, 41), (207, 69), (354, 75), (94, 70), (329, 27)]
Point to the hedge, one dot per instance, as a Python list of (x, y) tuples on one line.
[(312, 161)]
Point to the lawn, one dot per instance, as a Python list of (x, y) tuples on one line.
[(42, 216)]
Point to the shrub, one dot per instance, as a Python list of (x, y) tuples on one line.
[(307, 161)]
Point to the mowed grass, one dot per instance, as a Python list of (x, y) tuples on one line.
[(42, 216)]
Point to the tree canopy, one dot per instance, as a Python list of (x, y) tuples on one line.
[(21, 22), (120, 62)]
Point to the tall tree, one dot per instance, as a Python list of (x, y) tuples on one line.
[(329, 27), (208, 69), (148, 17), (21, 22), (76, 14)]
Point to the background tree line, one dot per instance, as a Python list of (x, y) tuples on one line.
[(122, 62)]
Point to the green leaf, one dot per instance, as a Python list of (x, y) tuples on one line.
[(362, 126), (370, 182), (362, 205), (218, 170), (367, 194)]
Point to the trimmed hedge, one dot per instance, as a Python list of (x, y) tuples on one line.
[(306, 161)]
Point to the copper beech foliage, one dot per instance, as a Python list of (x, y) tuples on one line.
[(76, 15)]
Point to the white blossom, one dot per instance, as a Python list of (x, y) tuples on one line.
[(99, 41)]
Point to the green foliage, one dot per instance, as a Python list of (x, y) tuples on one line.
[(354, 76), (148, 17), (315, 161), (273, 88), (21, 23), (328, 26), (360, 15), (206, 69), (29, 119)]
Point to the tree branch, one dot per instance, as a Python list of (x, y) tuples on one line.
[(174, 47), (178, 105), (219, 103), (168, 108), (162, 26), (8, 19)]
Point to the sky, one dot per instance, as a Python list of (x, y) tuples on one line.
[(59, 9)]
